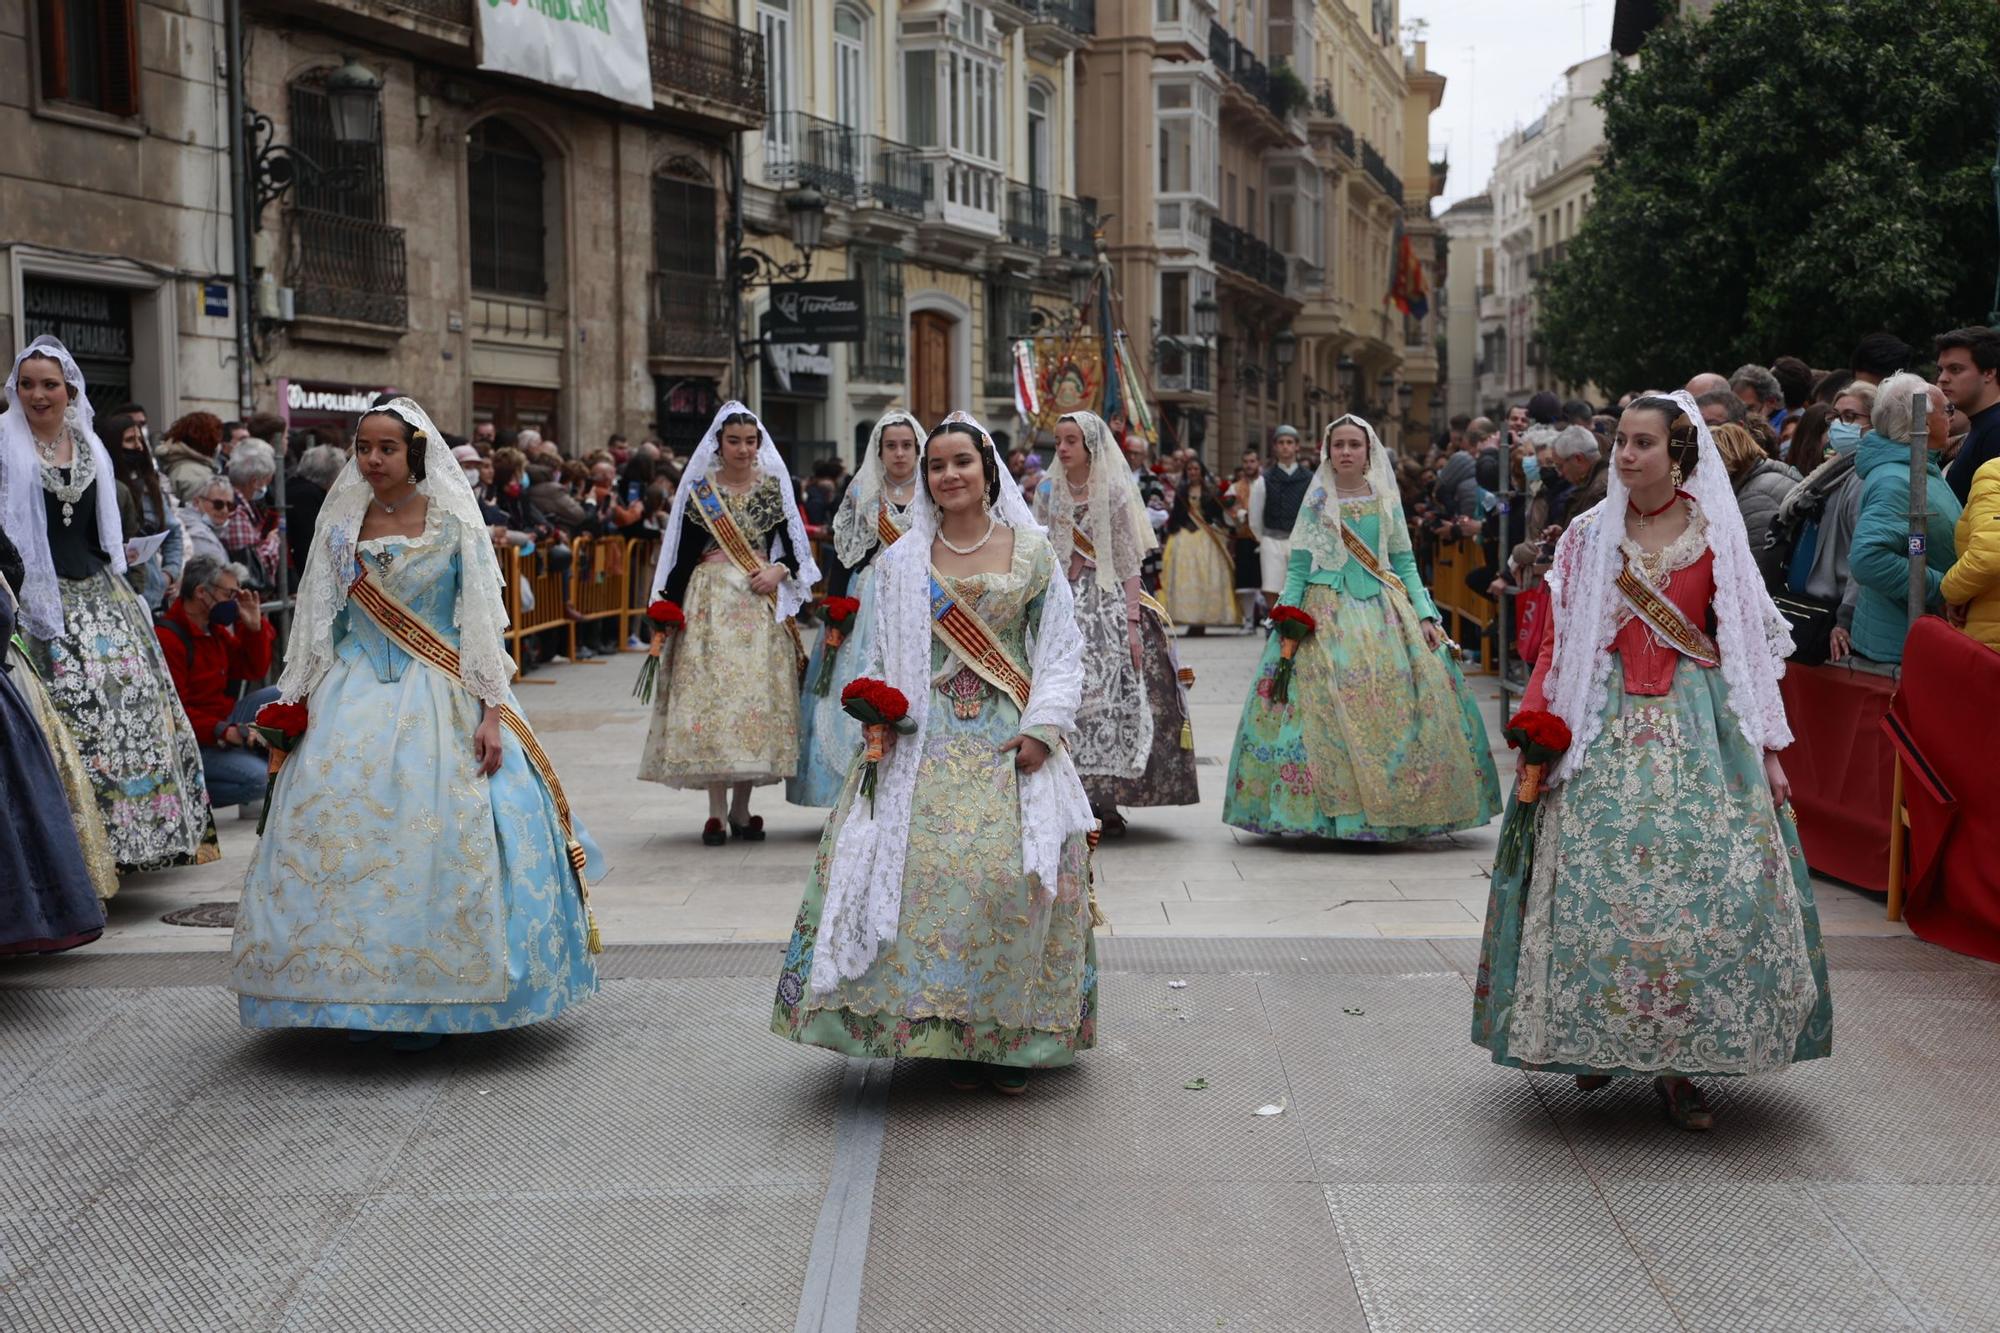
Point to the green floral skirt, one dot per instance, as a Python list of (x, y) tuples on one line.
[(979, 969), (1381, 740), (1667, 924)]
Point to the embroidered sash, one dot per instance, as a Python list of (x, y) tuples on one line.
[(1373, 563), (961, 629), (1207, 530), (721, 525), (415, 637), (885, 527), (1084, 548), (1665, 619)]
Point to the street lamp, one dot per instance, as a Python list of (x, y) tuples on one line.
[(1286, 344), (806, 209), (1386, 382), (353, 92), (1405, 395), (1206, 313)]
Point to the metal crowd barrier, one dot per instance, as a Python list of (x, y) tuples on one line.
[(606, 581)]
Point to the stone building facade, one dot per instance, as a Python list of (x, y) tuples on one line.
[(115, 220), (509, 251), (940, 135), (1253, 160)]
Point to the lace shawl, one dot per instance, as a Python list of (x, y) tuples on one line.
[(1753, 638), (796, 590), (854, 533), (864, 886), (22, 513), (1318, 527), (1119, 530), (484, 666)]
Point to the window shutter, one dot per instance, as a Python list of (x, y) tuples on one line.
[(121, 57), (53, 32)]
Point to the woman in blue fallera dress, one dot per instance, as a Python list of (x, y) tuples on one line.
[(877, 501), (417, 875)]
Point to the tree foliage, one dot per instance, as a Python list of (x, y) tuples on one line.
[(1784, 177)]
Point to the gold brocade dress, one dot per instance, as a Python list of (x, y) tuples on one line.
[(727, 706)]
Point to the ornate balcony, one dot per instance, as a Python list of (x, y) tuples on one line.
[(697, 55), (1181, 365), (1238, 251), (1077, 221), (895, 175), (1057, 27), (347, 269), (1028, 216), (688, 317), (1378, 171), (803, 149)]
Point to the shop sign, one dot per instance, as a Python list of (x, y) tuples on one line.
[(94, 323), (798, 370), (817, 312)]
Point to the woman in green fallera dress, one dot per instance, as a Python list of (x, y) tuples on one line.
[(948, 916), (1664, 925), (1380, 741)]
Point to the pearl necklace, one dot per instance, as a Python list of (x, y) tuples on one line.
[(82, 471), (956, 549)]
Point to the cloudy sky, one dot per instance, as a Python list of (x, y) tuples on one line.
[(1502, 60)]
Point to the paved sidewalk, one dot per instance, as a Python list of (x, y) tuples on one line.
[(1180, 871), (655, 1160)]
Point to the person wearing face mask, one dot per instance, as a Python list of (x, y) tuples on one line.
[(1805, 554), (250, 534), (216, 638), (202, 519)]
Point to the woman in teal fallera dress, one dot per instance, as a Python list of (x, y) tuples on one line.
[(1665, 926), (948, 916), (415, 875), (1381, 741)]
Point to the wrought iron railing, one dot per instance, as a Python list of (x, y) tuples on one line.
[(895, 175), (1323, 100), (1240, 252), (689, 316), (1028, 215), (804, 149), (1076, 221), (1221, 47), (710, 57), (344, 268), (1378, 171), (1076, 15), (1343, 138), (442, 11)]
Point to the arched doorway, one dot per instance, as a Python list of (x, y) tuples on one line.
[(931, 364)]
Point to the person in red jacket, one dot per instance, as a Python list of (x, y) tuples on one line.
[(215, 638)]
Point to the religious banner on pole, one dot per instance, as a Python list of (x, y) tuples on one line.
[(1070, 371), (592, 46)]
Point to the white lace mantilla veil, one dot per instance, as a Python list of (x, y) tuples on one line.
[(1753, 638), (1114, 494), (1317, 528), (481, 615), (864, 884), (796, 590), (22, 514), (854, 532)]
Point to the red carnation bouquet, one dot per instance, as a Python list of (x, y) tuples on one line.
[(880, 708), (1541, 737), (840, 613), (1292, 625), (281, 726), (666, 617)]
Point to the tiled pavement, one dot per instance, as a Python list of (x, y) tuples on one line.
[(657, 1161)]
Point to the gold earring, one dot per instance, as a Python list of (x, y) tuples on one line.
[(1675, 475)]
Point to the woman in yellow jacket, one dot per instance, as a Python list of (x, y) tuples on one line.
[(1971, 587)]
